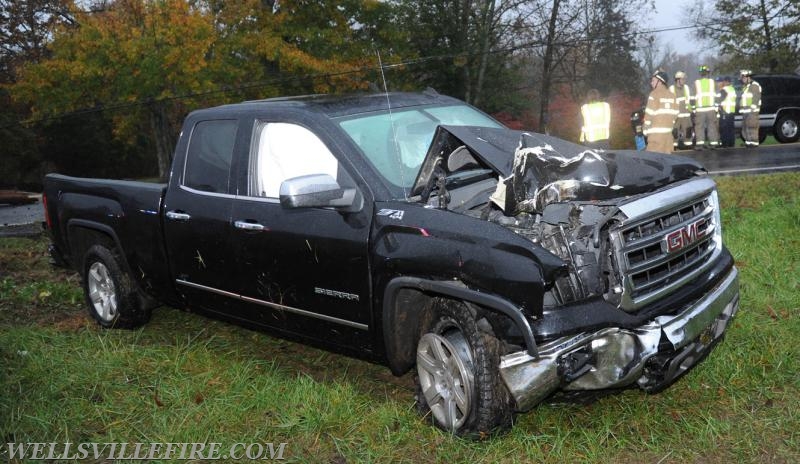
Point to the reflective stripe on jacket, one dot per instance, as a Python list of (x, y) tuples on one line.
[(751, 98), (596, 121), (683, 97), (705, 94), (660, 112)]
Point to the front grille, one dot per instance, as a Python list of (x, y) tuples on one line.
[(658, 253)]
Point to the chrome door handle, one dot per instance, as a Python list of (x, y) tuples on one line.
[(248, 226), (176, 216)]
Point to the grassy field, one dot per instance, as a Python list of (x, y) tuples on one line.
[(185, 378)]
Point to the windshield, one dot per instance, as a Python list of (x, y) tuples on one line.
[(398, 158)]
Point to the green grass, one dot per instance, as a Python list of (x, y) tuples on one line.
[(185, 378), (770, 140)]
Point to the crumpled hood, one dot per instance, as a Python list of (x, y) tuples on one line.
[(536, 169)]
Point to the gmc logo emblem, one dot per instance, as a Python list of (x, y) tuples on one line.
[(685, 236)]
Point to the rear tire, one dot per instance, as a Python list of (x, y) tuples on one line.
[(111, 295), (458, 384)]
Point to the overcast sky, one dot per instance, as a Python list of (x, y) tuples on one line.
[(669, 14)]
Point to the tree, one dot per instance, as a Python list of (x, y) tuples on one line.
[(147, 62), (19, 157), (135, 53), (469, 43), (610, 48), (585, 43), (759, 34), (25, 29)]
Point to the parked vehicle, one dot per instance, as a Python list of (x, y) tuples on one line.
[(780, 107), (415, 231)]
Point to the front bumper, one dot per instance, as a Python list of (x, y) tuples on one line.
[(652, 355)]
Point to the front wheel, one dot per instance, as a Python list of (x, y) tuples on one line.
[(111, 295), (787, 128), (458, 381)]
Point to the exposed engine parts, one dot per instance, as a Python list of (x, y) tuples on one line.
[(576, 232)]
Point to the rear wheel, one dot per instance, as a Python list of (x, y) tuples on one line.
[(111, 295), (787, 129), (458, 382)]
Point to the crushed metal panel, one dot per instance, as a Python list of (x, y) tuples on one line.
[(536, 170)]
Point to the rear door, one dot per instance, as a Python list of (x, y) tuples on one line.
[(197, 216), (301, 270)]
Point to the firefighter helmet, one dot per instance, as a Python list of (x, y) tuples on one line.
[(661, 75), (680, 75), (703, 69), (745, 72)]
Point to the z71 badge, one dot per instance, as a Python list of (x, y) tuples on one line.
[(392, 213)]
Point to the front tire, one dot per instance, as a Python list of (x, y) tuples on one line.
[(458, 382), (787, 129), (111, 295)]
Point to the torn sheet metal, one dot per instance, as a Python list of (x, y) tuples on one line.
[(536, 170)]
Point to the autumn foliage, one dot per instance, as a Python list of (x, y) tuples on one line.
[(148, 62)]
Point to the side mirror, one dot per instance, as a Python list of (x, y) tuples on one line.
[(319, 191)]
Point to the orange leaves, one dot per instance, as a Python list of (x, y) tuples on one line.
[(134, 50), (137, 51)]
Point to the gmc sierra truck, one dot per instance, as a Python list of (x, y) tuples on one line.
[(415, 231)]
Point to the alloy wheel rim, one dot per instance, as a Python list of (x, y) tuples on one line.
[(789, 128), (102, 292), (444, 367)]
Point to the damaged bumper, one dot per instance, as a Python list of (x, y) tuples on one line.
[(652, 355)]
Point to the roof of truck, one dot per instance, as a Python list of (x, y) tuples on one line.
[(341, 105)]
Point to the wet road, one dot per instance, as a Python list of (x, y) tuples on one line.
[(22, 220), (761, 160)]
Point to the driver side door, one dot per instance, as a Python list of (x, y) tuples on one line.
[(302, 270)]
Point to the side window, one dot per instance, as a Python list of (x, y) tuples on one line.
[(282, 151), (208, 161)]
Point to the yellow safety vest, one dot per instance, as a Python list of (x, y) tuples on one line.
[(729, 103), (596, 121), (704, 94)]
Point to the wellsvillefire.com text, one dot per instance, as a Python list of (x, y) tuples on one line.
[(142, 451)]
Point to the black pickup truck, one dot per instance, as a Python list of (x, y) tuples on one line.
[(413, 230)]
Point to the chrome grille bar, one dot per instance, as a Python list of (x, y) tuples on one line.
[(661, 248)]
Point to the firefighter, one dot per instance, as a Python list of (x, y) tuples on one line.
[(683, 124), (706, 129), (660, 114), (727, 108), (749, 106), (596, 121)]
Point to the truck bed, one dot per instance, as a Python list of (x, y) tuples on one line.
[(127, 213)]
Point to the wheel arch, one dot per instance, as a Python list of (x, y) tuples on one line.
[(787, 109), (82, 234), (408, 304)]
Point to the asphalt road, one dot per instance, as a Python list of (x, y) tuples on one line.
[(26, 220), (740, 160)]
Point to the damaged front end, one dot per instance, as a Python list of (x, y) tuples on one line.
[(651, 356), (633, 228)]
